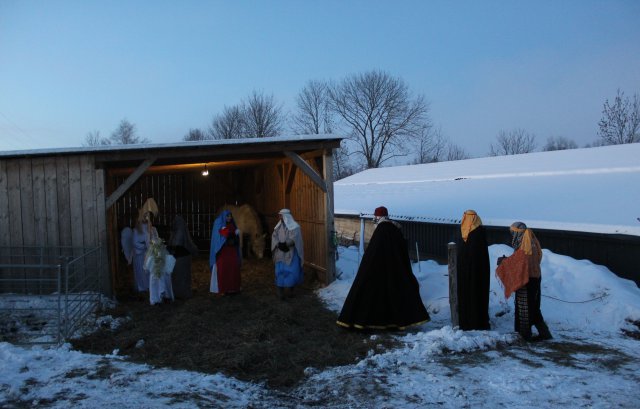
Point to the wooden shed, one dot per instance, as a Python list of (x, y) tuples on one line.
[(83, 197)]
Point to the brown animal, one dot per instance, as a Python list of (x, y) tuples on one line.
[(248, 222)]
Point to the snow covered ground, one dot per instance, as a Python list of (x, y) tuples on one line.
[(589, 363)]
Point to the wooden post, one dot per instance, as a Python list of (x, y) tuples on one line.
[(327, 167), (452, 259)]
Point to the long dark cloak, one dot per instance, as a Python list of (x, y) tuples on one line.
[(473, 281), (385, 293)]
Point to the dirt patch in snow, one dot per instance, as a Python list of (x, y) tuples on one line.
[(252, 336)]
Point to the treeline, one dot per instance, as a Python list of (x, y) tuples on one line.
[(381, 119)]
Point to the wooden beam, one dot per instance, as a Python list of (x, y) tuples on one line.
[(327, 168), (291, 175), (308, 170), (127, 183)]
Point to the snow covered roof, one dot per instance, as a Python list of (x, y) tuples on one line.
[(173, 145), (590, 189)]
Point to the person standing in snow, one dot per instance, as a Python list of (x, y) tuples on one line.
[(385, 294), (288, 254), (521, 273), (473, 274)]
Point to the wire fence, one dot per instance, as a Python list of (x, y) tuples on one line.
[(46, 293), (429, 237)]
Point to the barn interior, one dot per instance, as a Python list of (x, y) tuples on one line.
[(196, 183)]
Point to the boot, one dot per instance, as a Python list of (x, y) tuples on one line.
[(543, 331)]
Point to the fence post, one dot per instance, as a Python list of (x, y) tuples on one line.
[(452, 261), (60, 323), (361, 244)]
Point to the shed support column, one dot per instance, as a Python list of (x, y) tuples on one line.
[(327, 167), (308, 170), (121, 190)]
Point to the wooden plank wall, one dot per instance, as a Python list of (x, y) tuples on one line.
[(49, 202), (38, 197), (194, 197), (307, 205), (5, 234)]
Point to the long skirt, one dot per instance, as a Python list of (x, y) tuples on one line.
[(289, 275), (141, 275), (228, 270), (527, 303)]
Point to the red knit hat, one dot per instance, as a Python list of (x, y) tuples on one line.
[(381, 211)]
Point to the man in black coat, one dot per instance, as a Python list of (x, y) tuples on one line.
[(385, 294), (473, 274)]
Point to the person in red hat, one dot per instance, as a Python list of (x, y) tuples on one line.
[(385, 294)]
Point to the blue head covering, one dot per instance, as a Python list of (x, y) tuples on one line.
[(217, 240)]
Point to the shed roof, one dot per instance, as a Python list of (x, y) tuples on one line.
[(195, 151)]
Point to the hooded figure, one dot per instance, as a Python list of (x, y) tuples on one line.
[(225, 256), (385, 294), (521, 273), (287, 250), (181, 246), (473, 274)]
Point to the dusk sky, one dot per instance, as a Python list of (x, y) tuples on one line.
[(72, 67)]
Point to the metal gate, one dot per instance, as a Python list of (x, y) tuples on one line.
[(46, 293)]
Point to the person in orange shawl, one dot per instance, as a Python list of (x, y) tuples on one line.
[(473, 274), (520, 273)]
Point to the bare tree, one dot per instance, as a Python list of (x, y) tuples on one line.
[(513, 142), (229, 125), (94, 139), (620, 121), (382, 117), (430, 146), (314, 115), (342, 165), (125, 134), (195, 134), (455, 152), (262, 116), (559, 143)]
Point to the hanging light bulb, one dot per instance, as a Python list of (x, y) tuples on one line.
[(205, 171)]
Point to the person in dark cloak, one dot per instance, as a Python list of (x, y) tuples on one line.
[(182, 247), (473, 274), (521, 273), (385, 294)]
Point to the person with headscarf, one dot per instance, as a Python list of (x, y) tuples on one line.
[(385, 294), (225, 257), (473, 274), (182, 247), (288, 254), (521, 273)]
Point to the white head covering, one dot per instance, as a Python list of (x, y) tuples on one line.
[(288, 219)]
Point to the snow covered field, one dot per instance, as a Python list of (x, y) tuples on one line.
[(590, 362)]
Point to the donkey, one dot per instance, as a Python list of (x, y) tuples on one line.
[(248, 222)]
